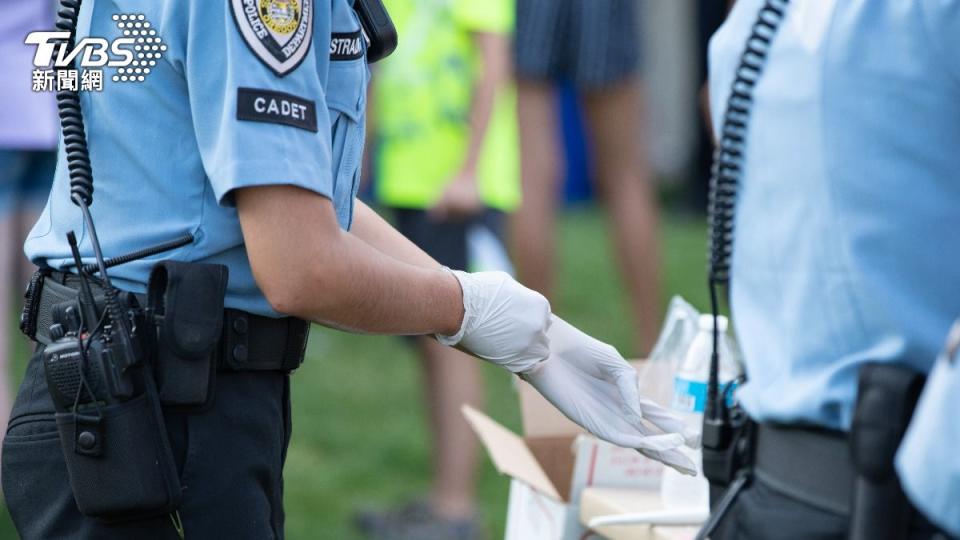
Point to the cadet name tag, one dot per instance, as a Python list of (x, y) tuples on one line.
[(276, 108)]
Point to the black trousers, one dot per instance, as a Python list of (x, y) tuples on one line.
[(230, 459), (763, 513)]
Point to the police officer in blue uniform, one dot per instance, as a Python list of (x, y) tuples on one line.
[(242, 125), (844, 253)]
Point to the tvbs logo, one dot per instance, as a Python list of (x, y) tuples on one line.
[(134, 55)]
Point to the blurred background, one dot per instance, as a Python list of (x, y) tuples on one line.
[(362, 438)]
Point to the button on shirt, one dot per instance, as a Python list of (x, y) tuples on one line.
[(846, 230), (212, 116)]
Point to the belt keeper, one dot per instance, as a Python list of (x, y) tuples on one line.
[(298, 331)]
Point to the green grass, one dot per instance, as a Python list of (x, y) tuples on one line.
[(359, 433)]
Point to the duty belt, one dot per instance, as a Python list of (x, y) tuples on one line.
[(811, 465), (248, 342)]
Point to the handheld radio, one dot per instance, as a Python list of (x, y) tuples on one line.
[(95, 351), (98, 361), (378, 29)]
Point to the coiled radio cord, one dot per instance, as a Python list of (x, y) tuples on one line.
[(725, 176), (81, 175), (728, 164)]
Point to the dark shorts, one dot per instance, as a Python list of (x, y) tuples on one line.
[(590, 43), (447, 240), (230, 459)]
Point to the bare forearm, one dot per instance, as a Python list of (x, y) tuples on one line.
[(308, 267), (494, 75), (377, 293), (375, 231)]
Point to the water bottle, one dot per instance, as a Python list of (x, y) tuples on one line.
[(679, 329), (689, 399)]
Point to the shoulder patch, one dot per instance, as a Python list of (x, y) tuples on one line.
[(254, 105), (279, 32)]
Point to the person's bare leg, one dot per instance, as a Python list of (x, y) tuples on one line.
[(541, 159), (452, 378), (615, 119)]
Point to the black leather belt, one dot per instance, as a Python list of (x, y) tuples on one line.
[(248, 342), (811, 465)]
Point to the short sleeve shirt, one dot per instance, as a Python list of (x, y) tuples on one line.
[(845, 246), (236, 93)]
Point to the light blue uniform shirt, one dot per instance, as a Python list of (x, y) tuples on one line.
[(168, 152), (849, 210), (848, 217)]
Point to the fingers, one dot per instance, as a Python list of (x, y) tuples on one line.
[(637, 407), (669, 422), (563, 335), (440, 210), (658, 443), (629, 389), (674, 459)]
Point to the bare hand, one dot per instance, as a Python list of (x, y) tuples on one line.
[(460, 198)]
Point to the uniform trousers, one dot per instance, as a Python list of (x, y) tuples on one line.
[(229, 457)]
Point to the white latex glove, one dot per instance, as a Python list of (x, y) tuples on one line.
[(503, 322), (589, 382)]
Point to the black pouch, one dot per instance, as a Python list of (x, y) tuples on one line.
[(886, 397), (119, 460), (186, 302)]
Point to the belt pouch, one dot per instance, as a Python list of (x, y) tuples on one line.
[(186, 300), (119, 460), (886, 397)]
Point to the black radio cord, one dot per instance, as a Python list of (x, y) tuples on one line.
[(74, 133), (728, 164), (81, 174), (728, 160)]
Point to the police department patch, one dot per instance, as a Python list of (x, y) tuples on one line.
[(278, 32)]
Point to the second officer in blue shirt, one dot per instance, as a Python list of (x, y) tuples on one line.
[(844, 148)]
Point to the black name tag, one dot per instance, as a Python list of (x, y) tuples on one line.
[(276, 108), (346, 46)]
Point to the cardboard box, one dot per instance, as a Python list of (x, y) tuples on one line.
[(551, 464)]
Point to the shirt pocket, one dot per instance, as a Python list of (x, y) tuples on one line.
[(346, 103)]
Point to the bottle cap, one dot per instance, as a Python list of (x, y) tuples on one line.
[(705, 322)]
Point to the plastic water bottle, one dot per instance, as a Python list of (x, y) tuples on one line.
[(689, 399)]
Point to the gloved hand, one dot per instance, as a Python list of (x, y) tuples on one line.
[(589, 382), (503, 322)]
